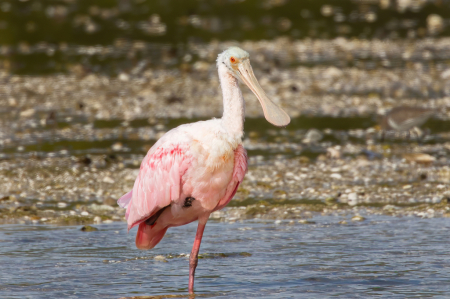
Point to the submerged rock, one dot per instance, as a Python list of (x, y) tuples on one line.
[(88, 228), (358, 218)]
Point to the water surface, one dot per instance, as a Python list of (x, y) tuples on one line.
[(382, 256)]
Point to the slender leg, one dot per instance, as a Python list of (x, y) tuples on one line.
[(193, 258)]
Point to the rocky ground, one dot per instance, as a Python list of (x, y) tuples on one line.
[(71, 144), (337, 77), (67, 191)]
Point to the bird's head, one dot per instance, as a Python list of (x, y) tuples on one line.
[(238, 64)]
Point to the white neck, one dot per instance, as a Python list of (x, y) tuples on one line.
[(233, 103)]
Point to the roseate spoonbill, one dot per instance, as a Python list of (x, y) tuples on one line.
[(196, 168)]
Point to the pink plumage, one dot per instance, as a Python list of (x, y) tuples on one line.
[(196, 168), (159, 182), (164, 182)]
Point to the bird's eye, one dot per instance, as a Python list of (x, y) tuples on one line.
[(233, 60)]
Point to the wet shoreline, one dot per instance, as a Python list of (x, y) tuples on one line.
[(64, 191), (71, 143)]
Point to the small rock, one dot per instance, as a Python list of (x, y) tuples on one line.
[(27, 113), (334, 152), (97, 220), (390, 207), (304, 221), (343, 222), (88, 228), (124, 77), (331, 72), (160, 258), (352, 199), (445, 74), (61, 205), (99, 208), (108, 180), (303, 160), (216, 215), (110, 202), (419, 158), (117, 146), (4, 198), (435, 200), (336, 176), (84, 213), (358, 218), (313, 136), (435, 24), (330, 200), (12, 102)]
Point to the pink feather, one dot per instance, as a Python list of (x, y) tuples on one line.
[(158, 183), (239, 171)]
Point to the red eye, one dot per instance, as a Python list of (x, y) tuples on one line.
[(233, 60)]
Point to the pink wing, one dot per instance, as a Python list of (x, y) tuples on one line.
[(158, 182), (239, 171)]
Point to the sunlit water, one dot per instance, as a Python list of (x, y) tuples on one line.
[(382, 256)]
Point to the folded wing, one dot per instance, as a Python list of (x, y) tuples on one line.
[(158, 184)]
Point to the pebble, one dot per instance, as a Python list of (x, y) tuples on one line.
[(352, 199), (435, 200), (336, 176), (305, 221), (27, 113), (108, 180), (61, 205), (117, 146), (358, 218), (110, 202), (88, 228), (160, 258)]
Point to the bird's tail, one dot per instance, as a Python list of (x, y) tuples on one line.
[(148, 236)]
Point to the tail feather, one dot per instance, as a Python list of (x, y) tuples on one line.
[(148, 236), (125, 199)]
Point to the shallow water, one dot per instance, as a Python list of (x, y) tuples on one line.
[(382, 256)]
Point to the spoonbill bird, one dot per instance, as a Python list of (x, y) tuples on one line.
[(195, 169)]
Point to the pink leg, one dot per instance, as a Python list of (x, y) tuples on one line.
[(193, 258)]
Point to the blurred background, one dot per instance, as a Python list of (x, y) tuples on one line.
[(86, 88)]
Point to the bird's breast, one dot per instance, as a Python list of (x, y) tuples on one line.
[(211, 173)]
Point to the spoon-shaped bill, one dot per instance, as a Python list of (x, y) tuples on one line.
[(274, 114)]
